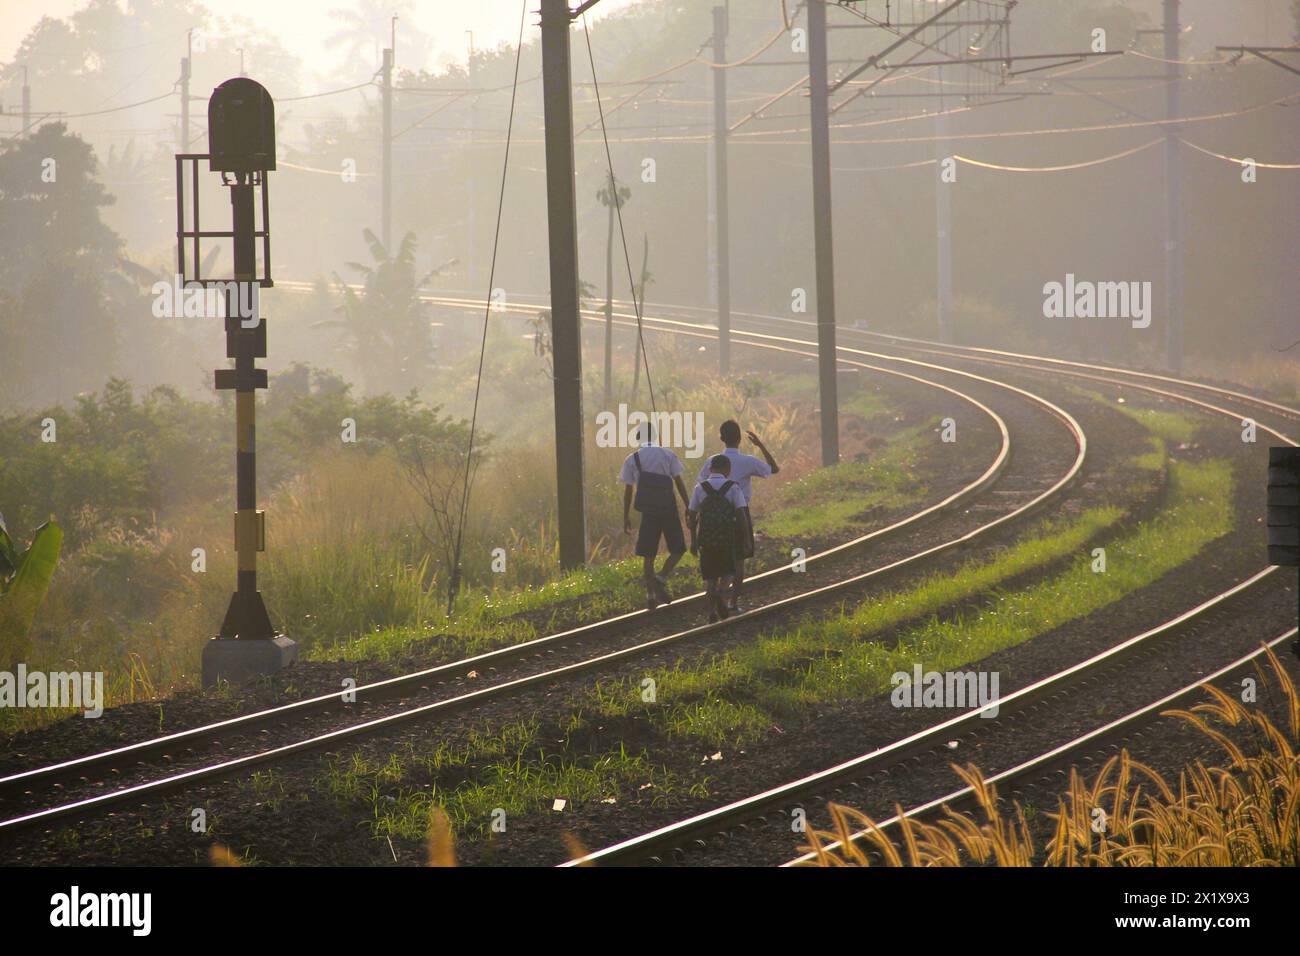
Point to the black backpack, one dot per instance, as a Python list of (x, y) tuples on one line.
[(654, 492), (717, 518)]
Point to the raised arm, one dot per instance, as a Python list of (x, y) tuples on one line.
[(767, 455)]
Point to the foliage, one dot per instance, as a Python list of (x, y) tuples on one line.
[(1239, 814), (24, 579), (385, 327)]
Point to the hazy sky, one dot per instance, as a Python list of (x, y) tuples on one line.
[(303, 25)]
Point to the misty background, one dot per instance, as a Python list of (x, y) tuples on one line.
[(82, 310)]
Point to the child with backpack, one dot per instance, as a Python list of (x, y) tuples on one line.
[(713, 513), (649, 476)]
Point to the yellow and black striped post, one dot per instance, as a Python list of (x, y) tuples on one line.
[(246, 618)]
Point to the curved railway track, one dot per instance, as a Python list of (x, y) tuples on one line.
[(1105, 739), (728, 817), (696, 831), (101, 770), (674, 843)]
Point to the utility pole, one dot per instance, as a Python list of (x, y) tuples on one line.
[(720, 211), (943, 215), (822, 232), (473, 176), (386, 172), (566, 335), (185, 92), (27, 101), (1173, 195)]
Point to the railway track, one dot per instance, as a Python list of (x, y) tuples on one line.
[(38, 778), (1095, 743), (104, 771), (696, 831), (675, 842)]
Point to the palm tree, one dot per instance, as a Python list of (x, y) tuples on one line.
[(385, 326), (612, 195), (365, 30), (361, 29)]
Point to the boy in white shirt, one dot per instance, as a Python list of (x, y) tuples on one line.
[(652, 471), (714, 513), (743, 468)]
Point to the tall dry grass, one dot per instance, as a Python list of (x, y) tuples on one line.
[(1245, 812)]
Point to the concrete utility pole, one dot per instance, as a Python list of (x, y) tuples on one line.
[(473, 179), (1173, 195), (720, 210), (566, 335), (386, 216), (943, 216), (822, 232), (185, 92), (27, 101)]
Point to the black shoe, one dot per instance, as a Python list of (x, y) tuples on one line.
[(661, 588), (713, 617)]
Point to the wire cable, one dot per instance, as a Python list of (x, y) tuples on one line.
[(312, 96), (1234, 159), (618, 208), (1058, 169), (454, 585)]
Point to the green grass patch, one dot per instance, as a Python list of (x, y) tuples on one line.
[(839, 497), (511, 773), (733, 698), (826, 501)]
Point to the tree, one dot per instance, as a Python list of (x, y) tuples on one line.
[(612, 195), (366, 29), (58, 324), (385, 326), (24, 578)]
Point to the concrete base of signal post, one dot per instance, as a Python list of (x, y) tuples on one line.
[(239, 661)]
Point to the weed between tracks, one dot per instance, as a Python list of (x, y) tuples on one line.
[(503, 771), (738, 697), (1244, 813), (848, 496)]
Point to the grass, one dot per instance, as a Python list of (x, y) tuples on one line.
[(843, 495), (482, 620), (734, 698), (742, 695), (486, 779), (1241, 813)]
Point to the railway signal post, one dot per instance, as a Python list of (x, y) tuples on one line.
[(241, 134)]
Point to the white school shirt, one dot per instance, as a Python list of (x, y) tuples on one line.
[(743, 467), (655, 460), (734, 494)]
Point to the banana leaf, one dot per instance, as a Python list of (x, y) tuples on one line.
[(21, 595)]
